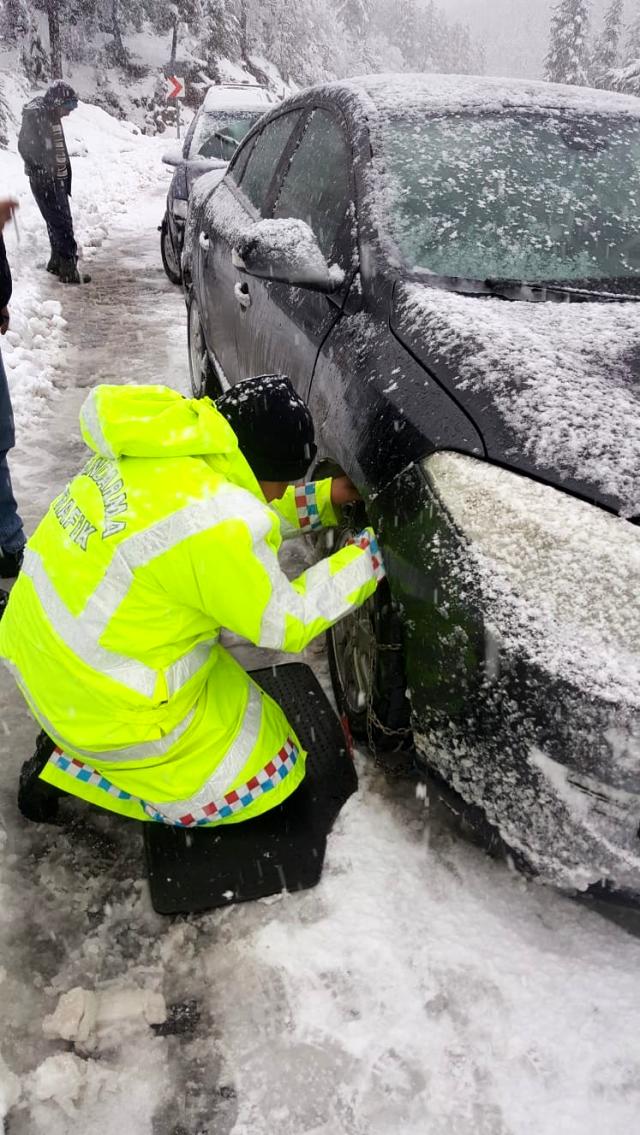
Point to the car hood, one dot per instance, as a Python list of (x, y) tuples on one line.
[(553, 388)]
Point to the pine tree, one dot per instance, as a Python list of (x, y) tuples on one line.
[(55, 45), (35, 59), (220, 31), (567, 58), (631, 51), (405, 35), (16, 19), (355, 14), (607, 49)]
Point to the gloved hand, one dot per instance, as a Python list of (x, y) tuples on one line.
[(368, 541), (7, 208)]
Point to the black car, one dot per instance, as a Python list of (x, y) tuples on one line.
[(449, 270), (229, 110)]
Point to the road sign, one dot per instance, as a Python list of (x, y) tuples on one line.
[(175, 87)]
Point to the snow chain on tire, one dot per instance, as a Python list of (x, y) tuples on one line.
[(404, 766)]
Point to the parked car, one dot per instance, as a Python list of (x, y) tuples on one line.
[(229, 110), (449, 270)]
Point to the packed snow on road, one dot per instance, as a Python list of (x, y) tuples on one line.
[(419, 988)]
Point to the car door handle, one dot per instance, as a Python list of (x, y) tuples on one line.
[(241, 292), (203, 241)]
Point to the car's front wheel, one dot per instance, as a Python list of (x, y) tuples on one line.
[(170, 260), (367, 664), (204, 378)]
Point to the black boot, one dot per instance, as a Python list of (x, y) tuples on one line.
[(37, 800), (4, 599), (54, 264), (68, 272), (10, 563)]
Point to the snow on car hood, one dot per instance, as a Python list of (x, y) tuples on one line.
[(554, 388)]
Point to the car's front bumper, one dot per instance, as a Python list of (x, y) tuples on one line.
[(552, 762)]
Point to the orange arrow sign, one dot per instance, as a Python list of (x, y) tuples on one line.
[(176, 87)]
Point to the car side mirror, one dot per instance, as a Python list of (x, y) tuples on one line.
[(172, 157), (205, 165), (286, 251)]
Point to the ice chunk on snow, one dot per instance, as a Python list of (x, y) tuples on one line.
[(80, 1013), (60, 1078)]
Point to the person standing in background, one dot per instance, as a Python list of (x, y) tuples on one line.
[(12, 537), (43, 149)]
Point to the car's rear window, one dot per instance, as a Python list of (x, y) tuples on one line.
[(547, 196)]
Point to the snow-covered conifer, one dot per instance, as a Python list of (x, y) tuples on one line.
[(607, 48), (567, 58)]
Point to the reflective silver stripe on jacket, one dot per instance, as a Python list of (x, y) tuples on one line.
[(90, 419), (146, 750), (229, 767), (326, 597), (81, 633)]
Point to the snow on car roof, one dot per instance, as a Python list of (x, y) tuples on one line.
[(424, 92), (560, 375), (238, 96)]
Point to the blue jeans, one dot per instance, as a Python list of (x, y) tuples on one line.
[(12, 536)]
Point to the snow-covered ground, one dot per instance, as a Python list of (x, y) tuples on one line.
[(420, 990)]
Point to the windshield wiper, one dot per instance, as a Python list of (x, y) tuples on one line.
[(226, 138), (504, 285)]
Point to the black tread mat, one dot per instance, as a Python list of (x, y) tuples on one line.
[(203, 868)]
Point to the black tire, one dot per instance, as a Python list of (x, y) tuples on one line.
[(204, 378), (366, 662), (170, 261)]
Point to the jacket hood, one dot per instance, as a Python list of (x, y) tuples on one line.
[(553, 388), (58, 94), (157, 422)]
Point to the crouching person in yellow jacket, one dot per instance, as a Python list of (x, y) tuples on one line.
[(169, 533)]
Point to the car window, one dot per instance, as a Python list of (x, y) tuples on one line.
[(317, 185), (264, 157), (218, 135), (239, 166), (537, 196)]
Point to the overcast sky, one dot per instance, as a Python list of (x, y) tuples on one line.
[(515, 32)]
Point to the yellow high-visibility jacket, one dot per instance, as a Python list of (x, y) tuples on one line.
[(112, 627)]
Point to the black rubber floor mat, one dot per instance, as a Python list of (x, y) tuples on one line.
[(203, 868)]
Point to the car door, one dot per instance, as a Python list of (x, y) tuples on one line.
[(282, 328), (237, 203)]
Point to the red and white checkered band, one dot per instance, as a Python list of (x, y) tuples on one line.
[(307, 506), (233, 802), (368, 542)]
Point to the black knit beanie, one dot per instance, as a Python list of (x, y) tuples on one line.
[(60, 93), (273, 426)]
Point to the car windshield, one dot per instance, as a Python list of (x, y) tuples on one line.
[(218, 134), (545, 197)]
